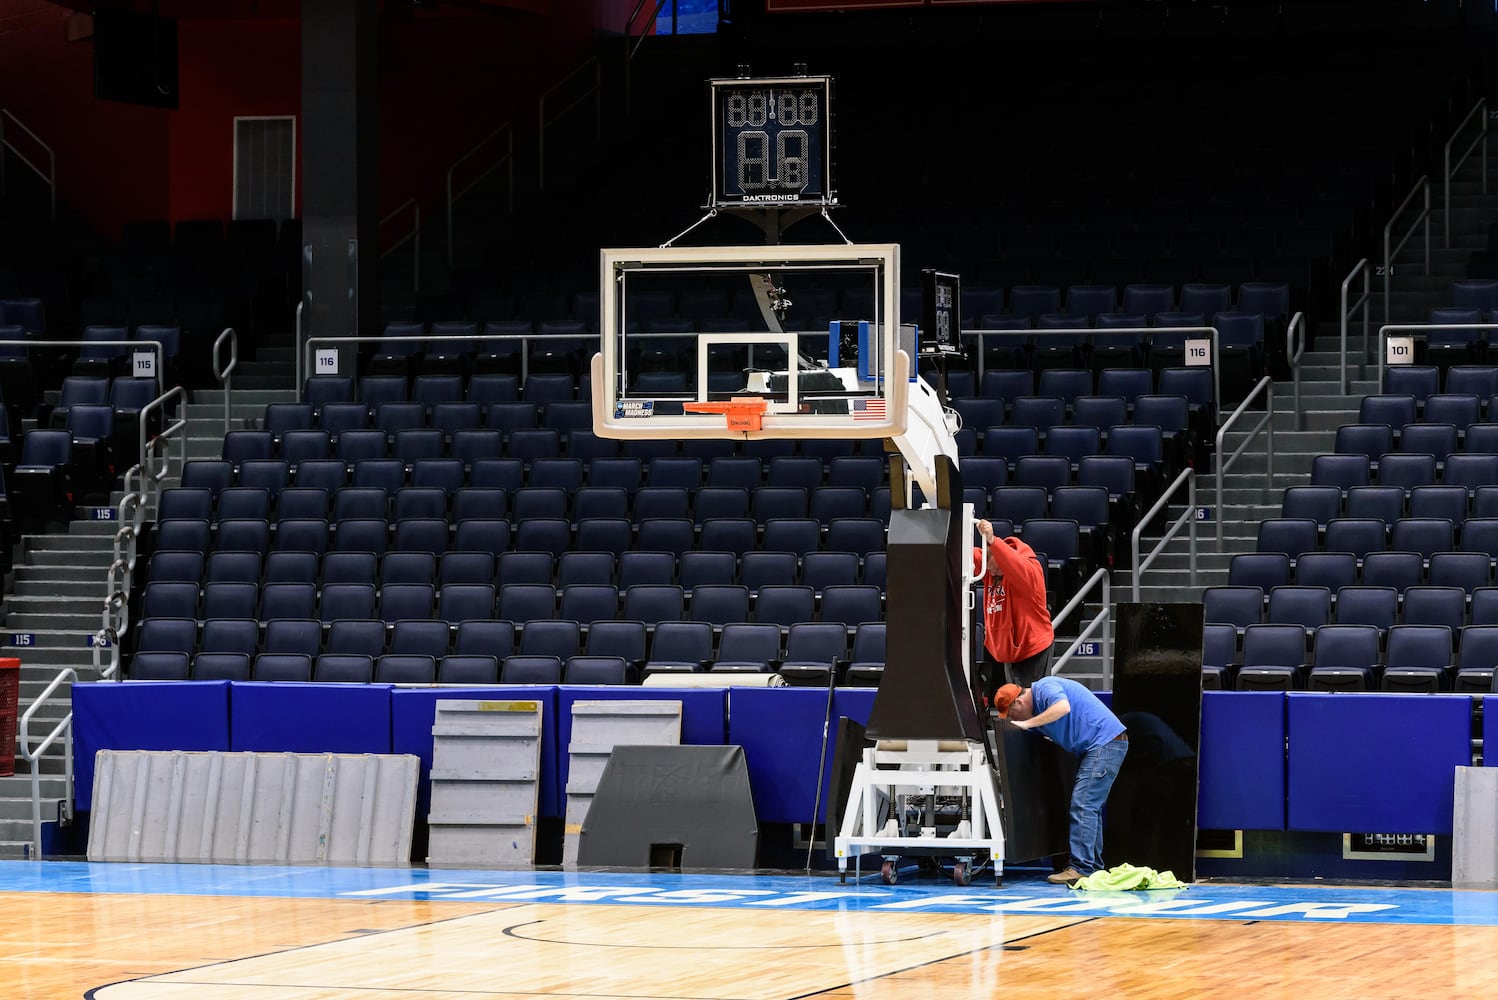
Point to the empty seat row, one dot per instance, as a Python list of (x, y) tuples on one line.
[(555, 535), (1405, 470), (1382, 607), (1408, 658), (1439, 438), (1470, 571), (818, 570), (521, 603), (806, 653), (1361, 536), (1323, 504)]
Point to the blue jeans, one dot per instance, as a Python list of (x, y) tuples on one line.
[(1095, 774)]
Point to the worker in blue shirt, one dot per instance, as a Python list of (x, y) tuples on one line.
[(1074, 719)]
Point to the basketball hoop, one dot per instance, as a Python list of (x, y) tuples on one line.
[(742, 413)]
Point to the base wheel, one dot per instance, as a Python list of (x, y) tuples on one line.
[(888, 875), (961, 874)]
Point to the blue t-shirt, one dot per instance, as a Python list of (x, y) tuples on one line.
[(1089, 723)]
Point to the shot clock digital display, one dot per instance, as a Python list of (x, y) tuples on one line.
[(772, 142)]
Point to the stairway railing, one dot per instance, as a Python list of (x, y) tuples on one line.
[(1422, 187), (1418, 330), (225, 374), (544, 122), (1266, 386), (32, 756), (506, 160), (1189, 517), (1481, 111), (632, 44), (412, 236), (1103, 619), (1293, 353), (1346, 316), (1202, 332), (48, 176)]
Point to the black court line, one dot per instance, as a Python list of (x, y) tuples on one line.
[(512, 931), (948, 958)]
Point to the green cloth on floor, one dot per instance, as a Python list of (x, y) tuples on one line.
[(1122, 877)]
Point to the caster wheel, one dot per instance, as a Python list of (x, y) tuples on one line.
[(961, 875), (888, 875), (842, 878)]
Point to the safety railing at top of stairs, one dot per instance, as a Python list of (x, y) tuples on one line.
[(634, 37), (1293, 352), (329, 366), (506, 160), (1405, 353), (1188, 518), (140, 366), (1480, 111), (1265, 386), (545, 120), (1207, 357), (225, 373), (296, 360), (1102, 620), (1346, 312), (411, 235), (8, 122), (1391, 249), (145, 478), (33, 755)]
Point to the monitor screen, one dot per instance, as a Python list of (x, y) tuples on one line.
[(135, 58)]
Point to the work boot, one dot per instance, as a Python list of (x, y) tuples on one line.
[(1068, 877)]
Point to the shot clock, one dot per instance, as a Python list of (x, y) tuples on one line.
[(772, 142)]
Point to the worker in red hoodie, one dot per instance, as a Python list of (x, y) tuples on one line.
[(1017, 633)]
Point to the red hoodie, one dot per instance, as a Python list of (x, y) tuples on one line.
[(1016, 622)]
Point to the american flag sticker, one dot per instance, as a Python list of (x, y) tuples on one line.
[(868, 408)]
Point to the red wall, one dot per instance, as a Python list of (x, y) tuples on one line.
[(226, 69), (111, 158), (445, 82)]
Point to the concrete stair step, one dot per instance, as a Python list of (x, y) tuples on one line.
[(47, 589), (60, 542), (81, 624), (68, 557), (51, 604), (56, 574)]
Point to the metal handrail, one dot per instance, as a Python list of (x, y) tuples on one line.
[(155, 345), (595, 92), (1293, 353), (412, 235), (297, 334), (1346, 314), (1421, 186), (1209, 332), (1416, 328), (310, 345), (49, 175), (1188, 476), (508, 158), (1103, 618), (150, 476), (630, 49), (32, 756), (1481, 110), (225, 374), (1266, 386)]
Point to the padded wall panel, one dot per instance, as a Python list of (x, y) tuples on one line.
[(1242, 761), (780, 730), (310, 718), (1375, 763), (155, 715), (413, 711), (704, 714)]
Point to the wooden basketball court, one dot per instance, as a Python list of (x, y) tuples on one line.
[(213, 932)]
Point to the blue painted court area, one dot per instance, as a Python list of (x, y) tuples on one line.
[(1023, 892)]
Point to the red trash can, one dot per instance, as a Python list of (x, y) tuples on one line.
[(10, 698)]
